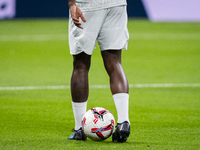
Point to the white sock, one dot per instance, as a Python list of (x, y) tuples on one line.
[(122, 105), (79, 109)]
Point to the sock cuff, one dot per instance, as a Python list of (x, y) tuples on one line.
[(119, 95), (76, 104)]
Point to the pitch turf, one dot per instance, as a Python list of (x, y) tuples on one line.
[(35, 53)]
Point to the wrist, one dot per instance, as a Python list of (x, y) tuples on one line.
[(71, 3)]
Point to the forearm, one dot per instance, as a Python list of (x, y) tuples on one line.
[(71, 2)]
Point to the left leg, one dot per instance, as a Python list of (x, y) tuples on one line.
[(112, 38), (118, 82), (119, 88), (113, 66)]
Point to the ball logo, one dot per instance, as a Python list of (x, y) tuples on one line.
[(96, 119)]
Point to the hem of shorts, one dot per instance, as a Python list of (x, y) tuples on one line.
[(83, 50), (100, 8), (80, 52), (105, 49)]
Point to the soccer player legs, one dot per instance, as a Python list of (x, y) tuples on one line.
[(111, 33)]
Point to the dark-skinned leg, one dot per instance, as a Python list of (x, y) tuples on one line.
[(113, 66), (79, 79), (119, 88), (79, 86)]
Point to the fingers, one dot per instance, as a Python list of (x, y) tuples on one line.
[(75, 19), (83, 18), (77, 23)]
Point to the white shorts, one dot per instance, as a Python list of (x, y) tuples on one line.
[(107, 26)]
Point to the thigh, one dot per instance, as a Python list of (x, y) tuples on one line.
[(114, 32)]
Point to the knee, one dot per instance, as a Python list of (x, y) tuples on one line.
[(81, 66), (81, 62)]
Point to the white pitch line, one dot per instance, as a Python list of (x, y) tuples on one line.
[(164, 85), (170, 36), (161, 85), (24, 38), (34, 88), (64, 37)]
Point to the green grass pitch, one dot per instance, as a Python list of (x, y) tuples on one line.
[(35, 54)]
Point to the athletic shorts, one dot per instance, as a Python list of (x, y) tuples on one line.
[(107, 26)]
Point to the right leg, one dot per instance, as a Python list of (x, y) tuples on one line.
[(79, 92), (82, 43), (79, 79)]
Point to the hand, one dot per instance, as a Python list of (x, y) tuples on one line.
[(76, 14)]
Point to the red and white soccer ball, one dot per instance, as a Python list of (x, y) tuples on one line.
[(98, 123)]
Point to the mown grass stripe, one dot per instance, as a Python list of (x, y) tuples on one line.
[(64, 37), (156, 85)]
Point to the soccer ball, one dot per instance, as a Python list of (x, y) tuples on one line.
[(98, 123)]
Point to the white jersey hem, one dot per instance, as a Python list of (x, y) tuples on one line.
[(100, 7)]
